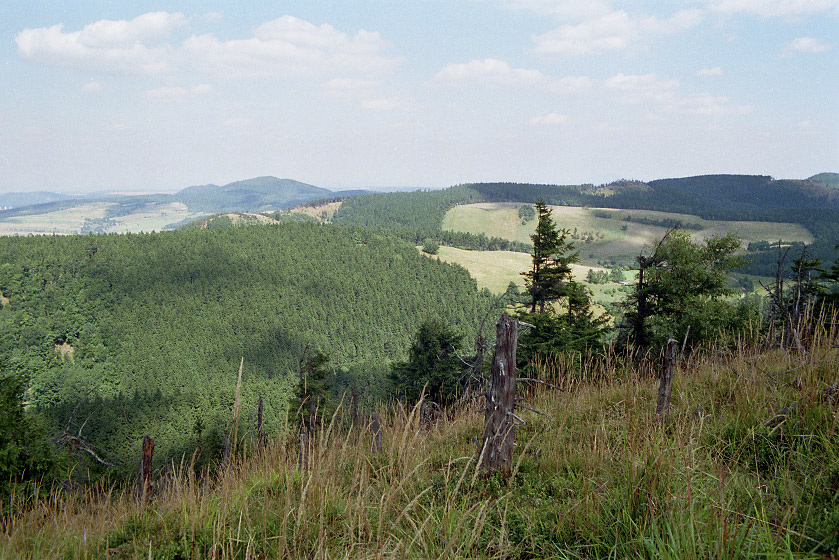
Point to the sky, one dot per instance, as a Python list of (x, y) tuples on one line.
[(157, 96)]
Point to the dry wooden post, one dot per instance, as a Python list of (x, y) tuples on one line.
[(664, 385), (496, 453), (303, 457), (376, 431), (354, 405), (259, 424), (146, 480)]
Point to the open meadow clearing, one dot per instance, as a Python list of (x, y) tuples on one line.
[(80, 219), (604, 235)]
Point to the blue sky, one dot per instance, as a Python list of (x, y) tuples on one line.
[(153, 96)]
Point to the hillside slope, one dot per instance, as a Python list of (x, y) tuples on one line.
[(147, 330)]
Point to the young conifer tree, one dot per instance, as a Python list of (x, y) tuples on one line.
[(561, 313), (550, 272)]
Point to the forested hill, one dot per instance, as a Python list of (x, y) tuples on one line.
[(261, 193), (708, 196), (252, 195), (147, 330), (827, 179)]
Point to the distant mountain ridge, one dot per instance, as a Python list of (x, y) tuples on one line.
[(255, 195), (19, 199), (259, 194), (827, 179)]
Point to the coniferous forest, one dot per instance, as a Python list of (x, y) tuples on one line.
[(145, 331)]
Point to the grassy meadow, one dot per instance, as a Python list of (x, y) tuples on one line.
[(596, 475), (72, 220), (611, 239), (495, 270)]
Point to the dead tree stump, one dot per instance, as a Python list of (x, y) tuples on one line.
[(496, 452), (146, 476), (663, 405), (303, 457), (259, 436), (376, 432)]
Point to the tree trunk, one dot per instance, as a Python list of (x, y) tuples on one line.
[(376, 432), (146, 478), (354, 405), (498, 438), (664, 386), (259, 435), (303, 457)]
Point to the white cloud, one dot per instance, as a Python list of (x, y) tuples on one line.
[(289, 45), (107, 45), (774, 8), (489, 71), (710, 72), (281, 47), (614, 31), (93, 87), (176, 93), (551, 119), (806, 45), (147, 27), (665, 96)]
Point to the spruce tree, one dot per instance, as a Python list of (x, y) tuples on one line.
[(561, 312), (548, 278)]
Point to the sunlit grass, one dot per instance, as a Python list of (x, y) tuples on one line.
[(597, 476)]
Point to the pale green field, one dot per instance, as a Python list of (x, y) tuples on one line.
[(611, 242), (495, 270), (71, 221), (62, 223)]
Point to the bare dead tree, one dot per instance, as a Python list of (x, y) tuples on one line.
[(77, 442), (146, 477), (666, 379), (303, 454), (496, 451), (376, 432), (354, 404), (259, 436)]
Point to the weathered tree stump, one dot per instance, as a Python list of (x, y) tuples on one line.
[(354, 405), (663, 405), (429, 413), (303, 457), (376, 432), (146, 476), (259, 436), (496, 452)]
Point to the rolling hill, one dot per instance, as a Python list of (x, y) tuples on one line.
[(50, 213)]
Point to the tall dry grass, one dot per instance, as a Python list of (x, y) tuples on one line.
[(596, 476)]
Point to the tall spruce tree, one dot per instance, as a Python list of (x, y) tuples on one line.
[(561, 312), (550, 273)]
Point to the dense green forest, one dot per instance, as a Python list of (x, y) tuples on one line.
[(146, 330), (419, 215)]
